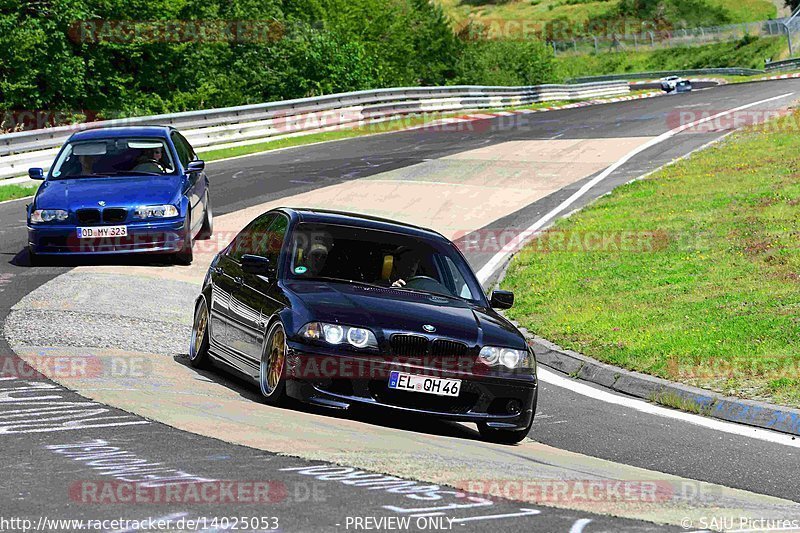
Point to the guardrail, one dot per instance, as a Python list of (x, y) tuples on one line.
[(252, 123), (733, 71), (786, 64)]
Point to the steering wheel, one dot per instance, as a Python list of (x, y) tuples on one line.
[(425, 283), (422, 278)]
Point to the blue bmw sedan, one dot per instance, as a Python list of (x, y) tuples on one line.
[(121, 190)]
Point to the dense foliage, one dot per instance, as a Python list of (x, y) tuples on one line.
[(88, 56)]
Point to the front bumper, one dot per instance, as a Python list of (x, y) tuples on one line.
[(341, 381), (165, 236)]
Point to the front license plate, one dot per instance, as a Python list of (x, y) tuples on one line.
[(424, 384), (102, 231)]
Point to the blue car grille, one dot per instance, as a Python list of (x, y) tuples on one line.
[(88, 216), (115, 214), (109, 215)]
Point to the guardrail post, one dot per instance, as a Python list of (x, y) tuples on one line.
[(635, 43), (789, 39), (652, 40), (595, 43)]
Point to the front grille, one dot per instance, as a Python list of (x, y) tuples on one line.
[(409, 345), (88, 216), (115, 214), (445, 348)]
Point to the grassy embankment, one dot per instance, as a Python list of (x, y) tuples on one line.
[(696, 277)]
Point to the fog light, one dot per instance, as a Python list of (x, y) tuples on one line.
[(513, 407)]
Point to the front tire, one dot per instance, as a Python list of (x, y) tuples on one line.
[(508, 436), (198, 348), (208, 222), (271, 370), (185, 256)]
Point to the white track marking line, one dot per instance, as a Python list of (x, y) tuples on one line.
[(494, 263), (578, 526), (642, 406), (549, 377)]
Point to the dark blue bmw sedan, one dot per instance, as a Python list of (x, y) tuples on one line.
[(119, 191)]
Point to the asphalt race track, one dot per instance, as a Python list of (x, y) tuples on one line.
[(469, 181)]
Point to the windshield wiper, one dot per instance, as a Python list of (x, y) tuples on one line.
[(127, 173)]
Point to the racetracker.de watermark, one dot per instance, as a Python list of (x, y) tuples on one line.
[(63, 366), (176, 31), (713, 121), (109, 492)]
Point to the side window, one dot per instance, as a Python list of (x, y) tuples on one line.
[(248, 241), (461, 287), (182, 147), (271, 242)]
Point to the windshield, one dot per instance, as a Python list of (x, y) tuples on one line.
[(113, 157), (386, 259)]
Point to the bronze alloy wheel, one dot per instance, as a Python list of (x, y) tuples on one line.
[(272, 361), (198, 348)]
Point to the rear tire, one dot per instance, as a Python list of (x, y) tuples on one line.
[(185, 256), (208, 222), (273, 361), (198, 347)]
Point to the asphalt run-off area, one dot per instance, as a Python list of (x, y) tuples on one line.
[(143, 436)]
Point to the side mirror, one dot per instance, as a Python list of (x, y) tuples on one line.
[(195, 166), (255, 264), (502, 300), (36, 173)]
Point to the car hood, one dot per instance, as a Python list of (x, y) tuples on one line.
[(114, 191), (392, 311)]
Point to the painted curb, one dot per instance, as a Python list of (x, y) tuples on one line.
[(650, 388)]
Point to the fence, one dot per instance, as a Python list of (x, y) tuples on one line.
[(650, 40), (219, 128), (654, 75)]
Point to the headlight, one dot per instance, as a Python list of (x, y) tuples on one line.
[(338, 334), (156, 211), (48, 215), (507, 357)]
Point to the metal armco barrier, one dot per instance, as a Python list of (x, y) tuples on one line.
[(227, 126), (786, 64)]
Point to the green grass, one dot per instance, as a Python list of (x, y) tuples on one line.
[(11, 192), (710, 293), (744, 53), (580, 11)]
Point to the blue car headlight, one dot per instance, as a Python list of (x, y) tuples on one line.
[(40, 216), (155, 211), (339, 334), (507, 357)]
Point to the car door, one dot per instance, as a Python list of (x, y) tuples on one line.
[(244, 319), (259, 289), (195, 181)]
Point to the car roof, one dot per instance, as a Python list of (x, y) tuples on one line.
[(122, 131), (343, 218)]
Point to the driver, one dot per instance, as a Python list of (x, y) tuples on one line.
[(150, 161), (406, 266)]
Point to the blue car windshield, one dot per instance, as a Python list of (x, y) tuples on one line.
[(343, 253), (113, 157)]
